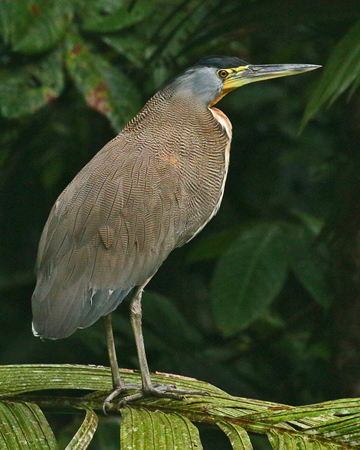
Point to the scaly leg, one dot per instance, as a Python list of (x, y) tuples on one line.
[(117, 381), (118, 384), (148, 388)]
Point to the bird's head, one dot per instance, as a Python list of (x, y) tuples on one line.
[(214, 77)]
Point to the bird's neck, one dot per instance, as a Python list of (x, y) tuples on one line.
[(222, 119), (167, 102)]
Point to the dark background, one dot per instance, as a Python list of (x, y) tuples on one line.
[(72, 73)]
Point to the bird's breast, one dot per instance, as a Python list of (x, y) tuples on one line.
[(202, 161)]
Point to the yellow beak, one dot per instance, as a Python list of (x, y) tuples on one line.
[(239, 76)]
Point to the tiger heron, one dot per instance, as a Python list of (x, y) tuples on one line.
[(149, 190)]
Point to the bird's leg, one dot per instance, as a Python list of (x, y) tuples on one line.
[(136, 322), (148, 388), (116, 379), (118, 383)]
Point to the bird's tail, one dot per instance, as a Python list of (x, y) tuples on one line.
[(58, 310)]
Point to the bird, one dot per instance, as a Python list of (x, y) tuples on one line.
[(149, 190)]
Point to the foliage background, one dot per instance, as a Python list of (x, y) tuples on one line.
[(72, 72)]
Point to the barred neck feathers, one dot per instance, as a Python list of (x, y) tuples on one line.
[(173, 101)]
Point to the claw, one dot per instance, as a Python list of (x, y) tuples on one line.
[(154, 390), (160, 391), (117, 391)]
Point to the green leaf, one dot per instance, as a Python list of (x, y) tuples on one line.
[(34, 27), (273, 16), (155, 423), (327, 425), (15, 380), (107, 436), (248, 277), (211, 247), (239, 439), (180, 26), (311, 223), (150, 430), (23, 426), (308, 265), (103, 20), (22, 378), (290, 442), (85, 433), (175, 331), (135, 48), (25, 90), (342, 69), (104, 87)]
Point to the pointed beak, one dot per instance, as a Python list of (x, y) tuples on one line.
[(248, 74)]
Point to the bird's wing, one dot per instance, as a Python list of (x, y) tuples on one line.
[(149, 190), (110, 229)]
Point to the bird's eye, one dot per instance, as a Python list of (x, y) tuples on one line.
[(222, 73)]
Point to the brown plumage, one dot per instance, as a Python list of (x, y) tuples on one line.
[(146, 192)]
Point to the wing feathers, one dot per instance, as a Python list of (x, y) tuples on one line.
[(146, 192), (108, 237)]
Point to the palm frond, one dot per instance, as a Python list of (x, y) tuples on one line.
[(154, 423)]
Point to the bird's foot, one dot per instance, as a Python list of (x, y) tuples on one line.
[(117, 391), (153, 390), (161, 391)]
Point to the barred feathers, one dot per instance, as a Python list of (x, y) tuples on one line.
[(149, 190)]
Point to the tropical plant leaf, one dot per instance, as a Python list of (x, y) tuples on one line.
[(104, 87), (144, 40), (341, 70), (23, 378), (334, 424), (102, 19), (271, 16), (175, 330), (107, 435), (159, 42), (135, 48), (23, 426), (16, 379), (26, 89), (291, 442), (307, 264), (155, 430), (85, 433), (33, 27), (211, 247), (311, 223), (180, 27), (248, 276), (238, 437), (155, 423)]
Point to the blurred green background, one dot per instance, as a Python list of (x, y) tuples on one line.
[(264, 303)]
